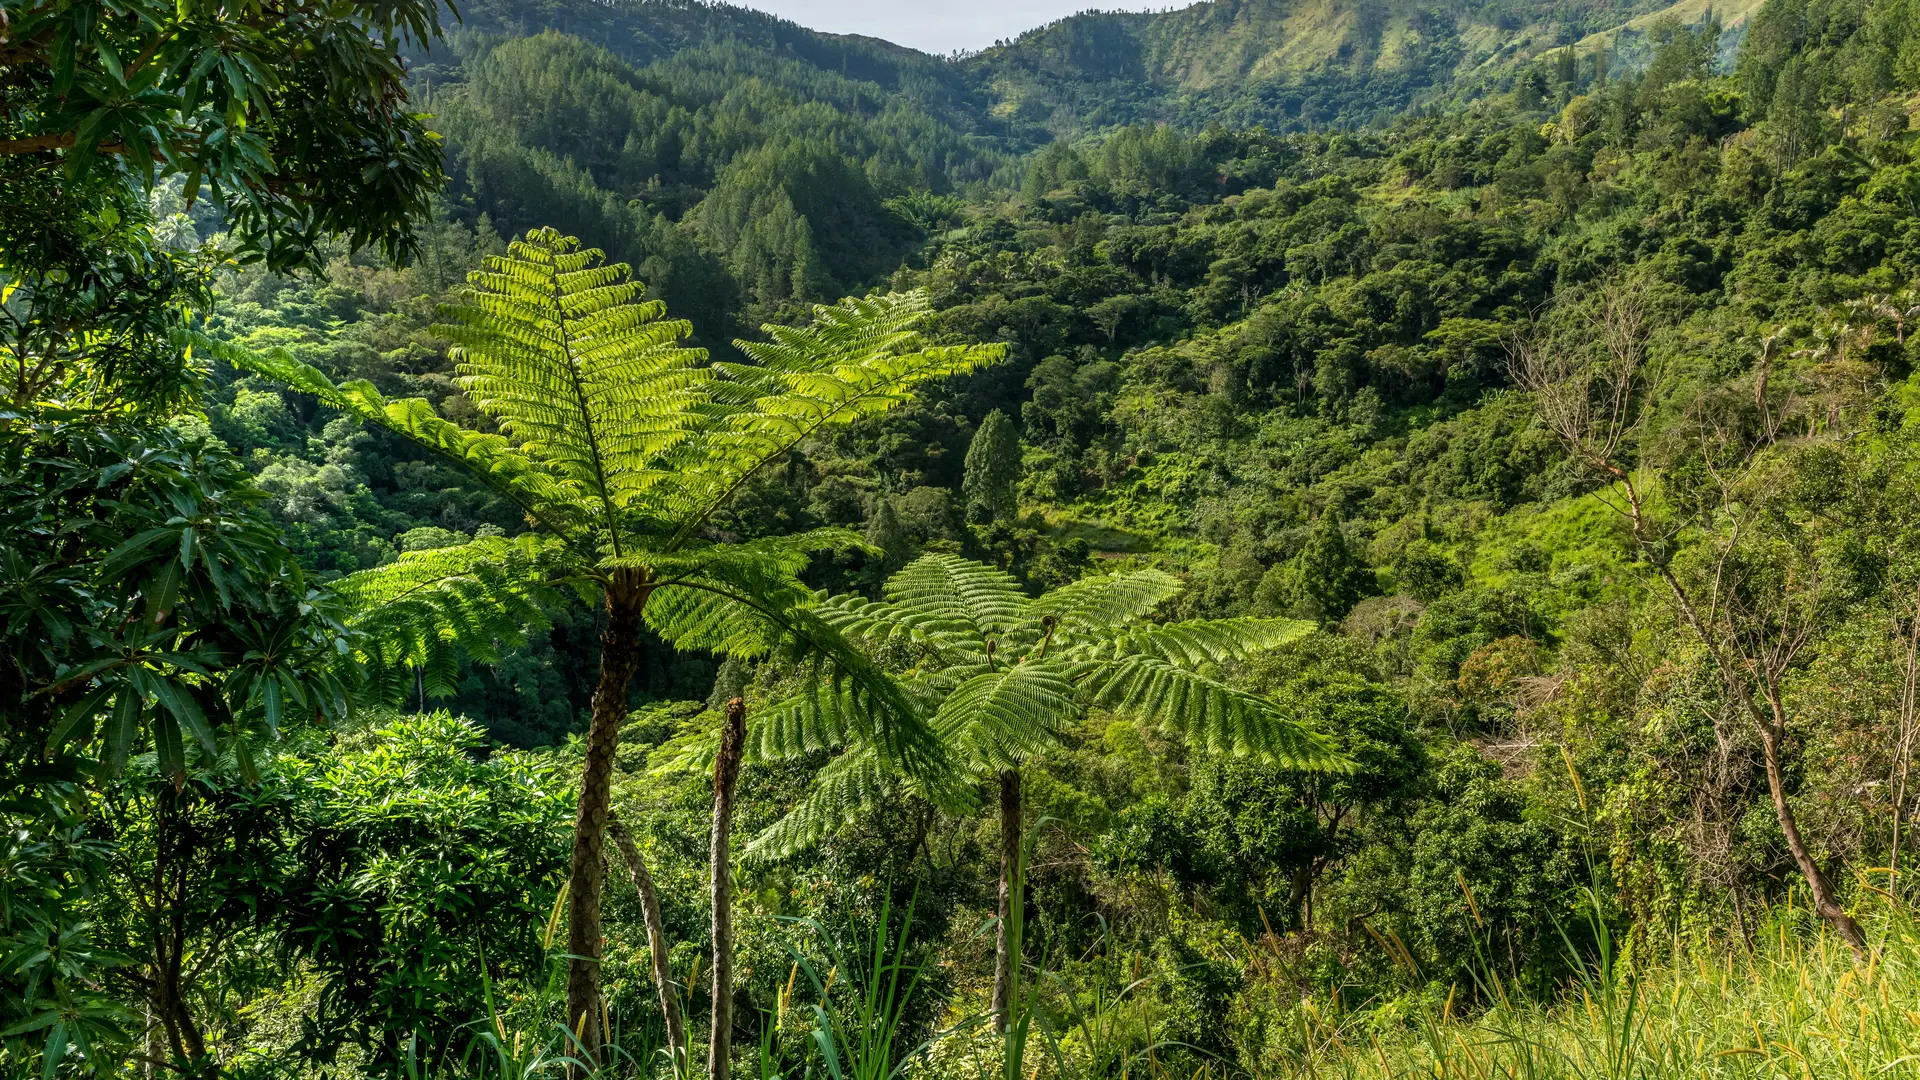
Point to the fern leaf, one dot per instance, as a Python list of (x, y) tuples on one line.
[(998, 719), (581, 374), (1209, 713), (859, 358), (421, 612), (945, 597), (1101, 604), (841, 792), (1202, 641)]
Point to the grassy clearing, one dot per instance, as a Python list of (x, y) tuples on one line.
[(1799, 1004)]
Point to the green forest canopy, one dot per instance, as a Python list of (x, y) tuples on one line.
[(1567, 395)]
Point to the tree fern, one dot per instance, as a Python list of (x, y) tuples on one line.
[(618, 443), (1004, 676)]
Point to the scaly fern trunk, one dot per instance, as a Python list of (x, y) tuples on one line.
[(726, 772), (1003, 960), (656, 944), (619, 659)]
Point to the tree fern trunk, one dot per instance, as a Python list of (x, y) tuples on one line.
[(619, 658), (726, 771), (1003, 960), (656, 944)]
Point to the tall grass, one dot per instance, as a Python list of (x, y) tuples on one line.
[(857, 1034), (1794, 1003), (1797, 1004)]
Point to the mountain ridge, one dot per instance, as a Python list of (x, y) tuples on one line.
[(1284, 64)]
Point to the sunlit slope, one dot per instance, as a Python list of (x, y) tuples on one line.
[(1284, 62)]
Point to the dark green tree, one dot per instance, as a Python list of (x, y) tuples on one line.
[(1323, 581), (294, 118), (992, 469), (145, 600)]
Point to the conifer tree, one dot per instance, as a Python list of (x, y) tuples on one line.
[(1323, 581), (992, 468), (618, 443)]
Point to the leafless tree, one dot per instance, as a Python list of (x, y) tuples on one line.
[(1755, 617)]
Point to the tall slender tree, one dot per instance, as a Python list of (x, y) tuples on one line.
[(618, 443), (1001, 676)]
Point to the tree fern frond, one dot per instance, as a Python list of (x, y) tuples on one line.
[(789, 555), (946, 596), (841, 792), (423, 611), (860, 358), (1199, 642), (1209, 713), (999, 718), (806, 723), (731, 598), (580, 374), (545, 498), (881, 713), (1103, 604)]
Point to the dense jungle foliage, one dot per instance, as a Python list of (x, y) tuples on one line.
[(1399, 557)]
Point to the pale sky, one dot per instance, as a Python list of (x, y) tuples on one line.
[(938, 26)]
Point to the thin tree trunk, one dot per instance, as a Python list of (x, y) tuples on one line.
[(1003, 959), (1298, 888), (1824, 901), (656, 944), (170, 934), (619, 658), (726, 771), (1903, 745)]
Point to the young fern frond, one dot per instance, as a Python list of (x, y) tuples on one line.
[(553, 344)]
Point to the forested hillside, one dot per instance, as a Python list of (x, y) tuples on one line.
[(1252, 540), (1302, 63)]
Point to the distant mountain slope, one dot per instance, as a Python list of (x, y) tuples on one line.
[(748, 166), (1282, 63), (643, 32), (1289, 63)]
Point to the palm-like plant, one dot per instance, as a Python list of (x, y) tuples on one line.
[(1902, 308), (618, 443), (1001, 676)]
